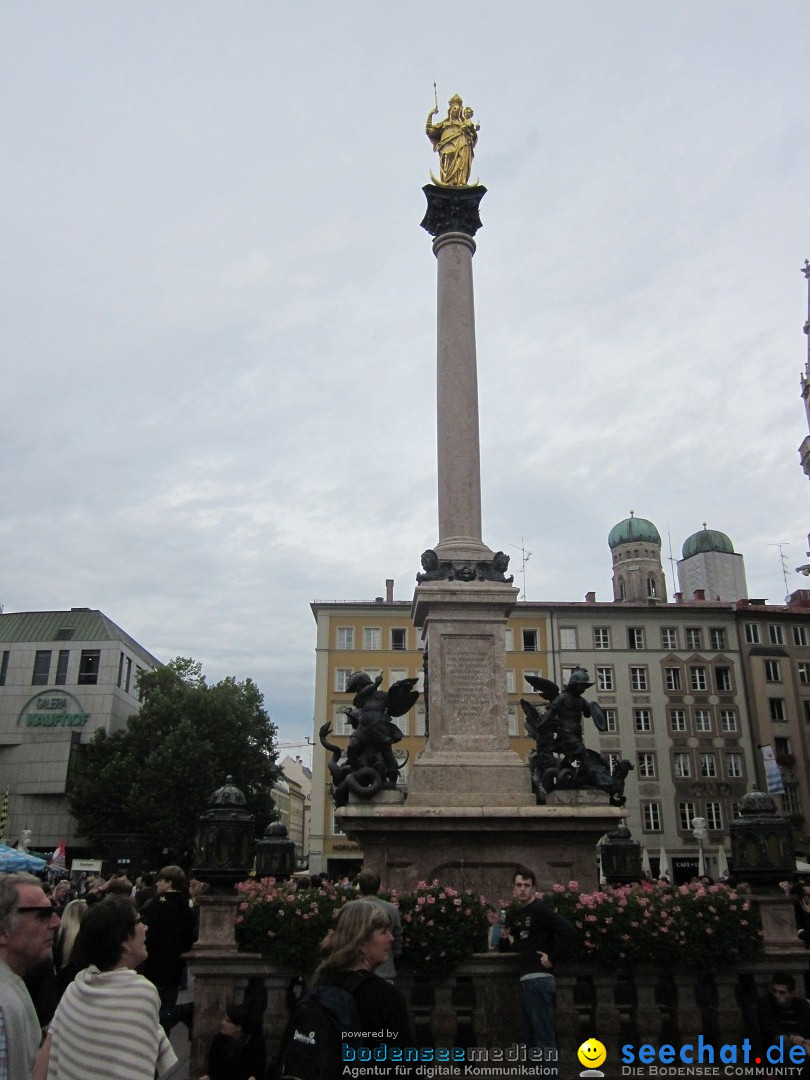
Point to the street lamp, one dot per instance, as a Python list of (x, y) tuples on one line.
[(700, 833)]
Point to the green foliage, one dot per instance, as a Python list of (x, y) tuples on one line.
[(286, 927), (156, 777), (441, 928), (662, 924)]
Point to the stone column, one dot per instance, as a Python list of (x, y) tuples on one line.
[(452, 218)]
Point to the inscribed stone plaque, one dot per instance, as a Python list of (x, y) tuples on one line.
[(467, 685)]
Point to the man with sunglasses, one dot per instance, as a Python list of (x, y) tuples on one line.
[(28, 924)]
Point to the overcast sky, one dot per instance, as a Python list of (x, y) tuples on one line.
[(218, 308)]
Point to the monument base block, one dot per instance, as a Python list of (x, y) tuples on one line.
[(476, 847)]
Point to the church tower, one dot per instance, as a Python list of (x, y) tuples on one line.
[(710, 563), (638, 576)]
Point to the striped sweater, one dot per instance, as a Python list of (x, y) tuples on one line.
[(107, 1026)]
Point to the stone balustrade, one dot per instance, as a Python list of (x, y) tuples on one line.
[(477, 1006)]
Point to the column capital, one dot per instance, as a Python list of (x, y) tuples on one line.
[(452, 210)]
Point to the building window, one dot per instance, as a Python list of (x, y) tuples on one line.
[(420, 727), (601, 637), (509, 639), (527, 686), (342, 675), (62, 667), (530, 641), (686, 812), (622, 589), (672, 678), (568, 637), (806, 706), (567, 672), (776, 634), (734, 765), (610, 720), (4, 667), (635, 637), (697, 678), (336, 829), (752, 633), (512, 719), (728, 720), (345, 637), (804, 674), (791, 800), (642, 719), (638, 678), (510, 681), (714, 816), (703, 721), (89, 664), (708, 765), (128, 676), (613, 759), (773, 671), (693, 638), (681, 764), (781, 746), (677, 720), (717, 638), (604, 680), (42, 667), (340, 722), (651, 817), (722, 678), (120, 677), (395, 674), (669, 638), (646, 766), (776, 706), (399, 639), (652, 588), (800, 636), (403, 724), (372, 637)]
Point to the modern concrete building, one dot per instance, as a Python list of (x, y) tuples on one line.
[(63, 676)]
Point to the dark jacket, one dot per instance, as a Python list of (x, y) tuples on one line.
[(538, 928), (169, 933)]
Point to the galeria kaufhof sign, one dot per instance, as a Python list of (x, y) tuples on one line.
[(53, 709)]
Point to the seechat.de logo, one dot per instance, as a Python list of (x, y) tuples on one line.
[(591, 1054)]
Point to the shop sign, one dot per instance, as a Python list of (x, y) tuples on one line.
[(53, 708)]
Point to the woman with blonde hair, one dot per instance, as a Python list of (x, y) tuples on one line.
[(359, 942), (66, 960)]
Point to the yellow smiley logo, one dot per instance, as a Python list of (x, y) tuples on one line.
[(591, 1054)]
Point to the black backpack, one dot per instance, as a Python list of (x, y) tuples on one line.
[(311, 1048)]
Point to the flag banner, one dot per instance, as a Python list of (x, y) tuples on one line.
[(58, 857), (773, 777)]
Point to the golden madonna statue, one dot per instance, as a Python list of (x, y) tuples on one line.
[(454, 140)]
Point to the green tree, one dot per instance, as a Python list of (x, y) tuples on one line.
[(156, 777)]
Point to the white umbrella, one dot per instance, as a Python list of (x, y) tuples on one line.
[(664, 869), (722, 863), (646, 869)]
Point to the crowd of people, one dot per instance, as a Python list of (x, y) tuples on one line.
[(90, 975)]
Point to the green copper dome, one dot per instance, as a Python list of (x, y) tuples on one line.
[(707, 540), (633, 530)]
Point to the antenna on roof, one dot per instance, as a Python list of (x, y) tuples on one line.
[(671, 560), (783, 559), (526, 555)]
